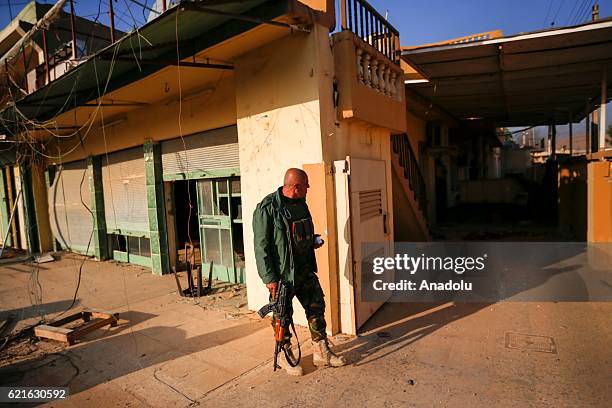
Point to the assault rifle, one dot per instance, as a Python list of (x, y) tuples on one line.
[(281, 313)]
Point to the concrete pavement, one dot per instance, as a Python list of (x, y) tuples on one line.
[(171, 351)]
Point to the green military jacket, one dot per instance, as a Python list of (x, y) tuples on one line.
[(272, 240)]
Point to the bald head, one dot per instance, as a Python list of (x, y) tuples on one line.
[(294, 176), (295, 184)]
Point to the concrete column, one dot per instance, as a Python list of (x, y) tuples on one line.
[(40, 197), (100, 241), (553, 143), (587, 126), (599, 201), (31, 231), (571, 137), (279, 126), (5, 210), (156, 209), (49, 178), (549, 141)]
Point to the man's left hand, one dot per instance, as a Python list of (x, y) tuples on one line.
[(318, 243)]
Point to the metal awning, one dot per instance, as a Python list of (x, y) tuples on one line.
[(189, 27), (527, 79)]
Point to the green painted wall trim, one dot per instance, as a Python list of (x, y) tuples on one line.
[(203, 174), (30, 212), (94, 164), (158, 234), (49, 178), (5, 211)]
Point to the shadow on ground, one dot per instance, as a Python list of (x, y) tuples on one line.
[(117, 353)]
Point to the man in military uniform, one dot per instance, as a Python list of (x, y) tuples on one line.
[(284, 249)]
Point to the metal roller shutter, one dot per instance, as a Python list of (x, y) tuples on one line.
[(69, 197), (125, 192), (210, 150)]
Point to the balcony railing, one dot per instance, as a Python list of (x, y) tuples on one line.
[(378, 73), (370, 86), (362, 19)]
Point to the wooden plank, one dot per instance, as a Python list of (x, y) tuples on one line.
[(67, 319), (100, 313), (53, 333), (103, 314), (91, 326)]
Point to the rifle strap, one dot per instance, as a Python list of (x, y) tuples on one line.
[(299, 357)]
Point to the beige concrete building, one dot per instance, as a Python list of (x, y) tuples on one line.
[(139, 153), (169, 152)]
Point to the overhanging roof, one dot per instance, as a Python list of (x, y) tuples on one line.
[(526, 79), (144, 52)]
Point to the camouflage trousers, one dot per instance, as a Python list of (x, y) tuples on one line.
[(310, 295)]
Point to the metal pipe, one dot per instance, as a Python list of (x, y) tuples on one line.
[(112, 20), (164, 6), (602, 110), (73, 30)]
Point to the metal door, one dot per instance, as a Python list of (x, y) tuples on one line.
[(69, 199), (361, 194), (217, 213)]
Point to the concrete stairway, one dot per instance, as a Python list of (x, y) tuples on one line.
[(409, 193)]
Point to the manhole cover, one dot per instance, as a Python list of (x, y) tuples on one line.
[(533, 342)]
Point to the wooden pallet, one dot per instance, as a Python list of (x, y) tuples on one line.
[(93, 319)]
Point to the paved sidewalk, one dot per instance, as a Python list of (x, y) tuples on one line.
[(166, 351), (169, 351), (486, 355)]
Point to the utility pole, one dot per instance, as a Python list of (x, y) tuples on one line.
[(73, 31), (112, 20)]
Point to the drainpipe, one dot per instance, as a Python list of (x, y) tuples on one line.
[(602, 112)]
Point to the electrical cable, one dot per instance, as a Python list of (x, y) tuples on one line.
[(579, 12), (557, 13), (571, 13), (547, 12), (34, 284)]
